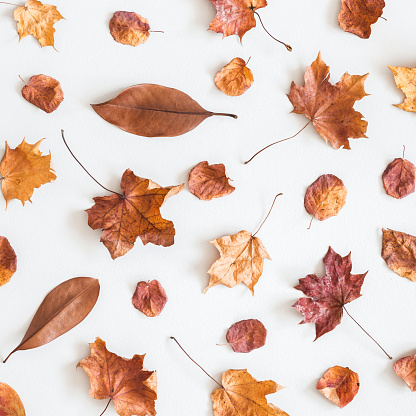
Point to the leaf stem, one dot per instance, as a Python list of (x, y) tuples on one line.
[(404, 149), (22, 79), (225, 114), (288, 47), (367, 333), (10, 4), (212, 378), (102, 186), (8, 356), (156, 31), (267, 216), (291, 137), (108, 404)]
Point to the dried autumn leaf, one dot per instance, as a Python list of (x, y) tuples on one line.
[(10, 403), (126, 382), (398, 251), (325, 197), (357, 16), (399, 178), (328, 294), (235, 78), (405, 79), (44, 92), (150, 298), (154, 111), (247, 335), (23, 169), (62, 309), (405, 368), (330, 107), (135, 213), (209, 181), (8, 261), (129, 28), (339, 385), (37, 19)]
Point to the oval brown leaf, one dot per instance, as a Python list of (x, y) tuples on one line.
[(235, 78), (152, 110), (150, 298), (129, 28), (10, 403), (247, 335), (8, 261), (63, 308), (399, 178)]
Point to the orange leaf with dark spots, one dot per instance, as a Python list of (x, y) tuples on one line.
[(8, 261), (10, 403), (129, 28)]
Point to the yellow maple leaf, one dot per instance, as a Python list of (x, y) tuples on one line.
[(405, 79)]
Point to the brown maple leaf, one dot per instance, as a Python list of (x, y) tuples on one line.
[(357, 16), (135, 213), (248, 335), (23, 169), (8, 261), (37, 19), (129, 28), (339, 385), (149, 298), (405, 368), (125, 382), (235, 78), (399, 178), (405, 79), (330, 107), (10, 403)]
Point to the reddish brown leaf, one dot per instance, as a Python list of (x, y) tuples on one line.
[(8, 261), (134, 214), (129, 28), (246, 336), (209, 181), (126, 382), (357, 16), (330, 107), (328, 294), (44, 92), (150, 298), (405, 368), (235, 78), (399, 178), (10, 403), (339, 385)]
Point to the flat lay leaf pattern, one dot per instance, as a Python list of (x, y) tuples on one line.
[(129, 28), (8, 261)]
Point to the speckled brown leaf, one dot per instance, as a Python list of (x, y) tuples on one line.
[(405, 368), (129, 28), (398, 251), (44, 92), (135, 213), (10, 403), (23, 169), (325, 197), (126, 382), (242, 395), (339, 385), (241, 261), (150, 298), (405, 79), (235, 78), (247, 335), (399, 178), (209, 181), (37, 19), (330, 107), (8, 261), (357, 16)]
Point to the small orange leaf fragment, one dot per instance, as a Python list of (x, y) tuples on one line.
[(405, 79), (405, 368), (8, 261), (10, 403), (235, 78), (129, 28)]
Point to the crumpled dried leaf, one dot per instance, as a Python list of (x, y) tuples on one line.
[(405, 368), (357, 16), (23, 169), (10, 403), (242, 394), (330, 107), (405, 79), (235, 17), (235, 78), (134, 214), (241, 261), (328, 294), (325, 197), (247, 335), (129, 28), (209, 181), (37, 19), (44, 92), (152, 110), (62, 309), (126, 382), (339, 385), (8, 261), (150, 298), (398, 251), (399, 178)]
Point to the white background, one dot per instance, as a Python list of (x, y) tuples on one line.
[(54, 243)]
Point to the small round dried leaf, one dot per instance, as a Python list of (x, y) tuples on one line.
[(129, 28), (235, 78), (149, 298), (399, 178), (8, 261), (247, 335)]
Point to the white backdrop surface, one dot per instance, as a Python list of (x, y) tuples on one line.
[(54, 243)]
